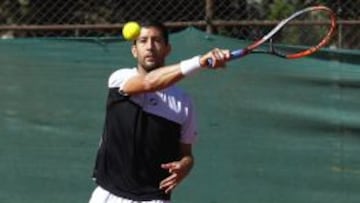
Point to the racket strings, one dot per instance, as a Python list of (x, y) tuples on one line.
[(303, 32)]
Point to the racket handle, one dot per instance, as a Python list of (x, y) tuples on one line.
[(238, 53), (233, 55)]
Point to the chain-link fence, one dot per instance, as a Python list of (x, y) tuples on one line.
[(95, 18)]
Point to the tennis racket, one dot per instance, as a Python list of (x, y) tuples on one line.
[(300, 35)]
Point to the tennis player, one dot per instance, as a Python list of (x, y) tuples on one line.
[(150, 125)]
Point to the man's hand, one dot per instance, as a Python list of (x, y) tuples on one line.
[(219, 58), (178, 171)]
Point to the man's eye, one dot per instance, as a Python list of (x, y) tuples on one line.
[(158, 40)]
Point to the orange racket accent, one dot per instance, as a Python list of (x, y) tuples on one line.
[(324, 41)]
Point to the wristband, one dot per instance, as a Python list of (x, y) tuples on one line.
[(189, 66)]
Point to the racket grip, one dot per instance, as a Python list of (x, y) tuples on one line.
[(233, 55)]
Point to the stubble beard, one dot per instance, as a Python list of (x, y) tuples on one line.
[(150, 66)]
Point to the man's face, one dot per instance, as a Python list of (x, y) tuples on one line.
[(150, 49)]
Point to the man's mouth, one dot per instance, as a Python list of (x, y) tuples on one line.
[(150, 57)]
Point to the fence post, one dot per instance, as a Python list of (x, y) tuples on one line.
[(339, 35), (209, 14)]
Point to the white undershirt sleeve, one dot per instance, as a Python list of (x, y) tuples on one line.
[(120, 77)]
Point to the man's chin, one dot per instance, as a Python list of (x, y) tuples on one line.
[(149, 66)]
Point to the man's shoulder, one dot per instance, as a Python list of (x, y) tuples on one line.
[(123, 71), (120, 75)]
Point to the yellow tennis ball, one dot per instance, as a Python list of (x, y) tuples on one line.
[(131, 30)]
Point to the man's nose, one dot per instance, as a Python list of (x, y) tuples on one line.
[(150, 44)]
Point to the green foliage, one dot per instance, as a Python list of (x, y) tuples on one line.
[(280, 9)]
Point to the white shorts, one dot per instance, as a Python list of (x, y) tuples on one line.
[(100, 195)]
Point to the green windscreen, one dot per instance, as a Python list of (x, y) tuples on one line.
[(270, 130)]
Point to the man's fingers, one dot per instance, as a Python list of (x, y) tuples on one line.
[(177, 173), (167, 187), (168, 182), (168, 165), (170, 188), (171, 167), (218, 57)]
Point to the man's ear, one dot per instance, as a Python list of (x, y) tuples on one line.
[(168, 49), (134, 51)]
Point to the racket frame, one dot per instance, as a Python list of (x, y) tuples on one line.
[(235, 54)]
